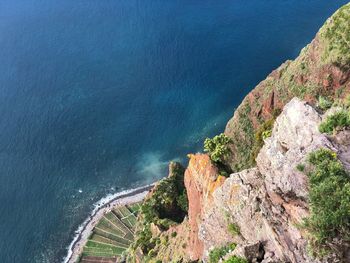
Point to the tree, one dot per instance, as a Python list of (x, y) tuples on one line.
[(217, 147)]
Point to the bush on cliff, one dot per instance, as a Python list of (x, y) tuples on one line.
[(338, 120), (217, 147), (324, 103), (329, 201), (233, 229), (166, 206), (336, 35), (235, 259), (217, 253), (168, 200), (264, 131)]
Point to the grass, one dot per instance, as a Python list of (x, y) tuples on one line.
[(298, 78), (264, 131), (324, 103), (329, 202), (166, 206), (336, 121), (113, 234), (217, 253), (336, 35), (235, 259), (233, 229), (300, 167)]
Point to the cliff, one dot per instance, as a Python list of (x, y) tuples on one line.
[(269, 202), (266, 208), (322, 68)]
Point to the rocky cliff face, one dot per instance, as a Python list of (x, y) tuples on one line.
[(322, 68), (260, 207), (201, 179), (268, 202)]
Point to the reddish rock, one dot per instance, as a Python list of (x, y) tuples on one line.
[(201, 179)]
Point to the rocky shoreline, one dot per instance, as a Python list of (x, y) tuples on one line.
[(102, 207)]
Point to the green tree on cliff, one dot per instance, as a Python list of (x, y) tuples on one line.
[(217, 147)]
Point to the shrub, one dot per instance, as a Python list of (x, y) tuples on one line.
[(265, 128), (301, 167), (264, 131), (144, 239), (152, 253), (235, 259), (347, 101), (233, 229), (324, 103), (182, 200), (329, 202), (336, 34), (266, 134), (338, 120), (217, 253), (217, 147), (168, 200), (166, 206), (173, 234), (164, 240), (224, 173)]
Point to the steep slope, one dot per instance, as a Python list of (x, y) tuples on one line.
[(322, 68), (268, 203), (262, 205)]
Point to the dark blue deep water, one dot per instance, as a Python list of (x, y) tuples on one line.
[(100, 94)]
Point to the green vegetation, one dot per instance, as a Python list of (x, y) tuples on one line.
[(167, 206), (243, 144), (182, 200), (235, 259), (217, 147), (266, 134), (300, 167), (329, 201), (217, 253), (324, 103), (347, 101), (338, 120), (336, 35), (233, 229), (299, 78), (113, 234), (264, 131)]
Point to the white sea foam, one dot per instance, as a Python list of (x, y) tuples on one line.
[(151, 164)]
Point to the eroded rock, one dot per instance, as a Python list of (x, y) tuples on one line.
[(268, 202)]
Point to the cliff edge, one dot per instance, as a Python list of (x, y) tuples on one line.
[(280, 190)]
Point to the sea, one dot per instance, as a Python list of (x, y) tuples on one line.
[(97, 96)]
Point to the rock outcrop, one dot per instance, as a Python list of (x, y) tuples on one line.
[(268, 202), (322, 68), (201, 179), (266, 199)]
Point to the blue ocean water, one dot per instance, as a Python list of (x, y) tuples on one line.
[(98, 96)]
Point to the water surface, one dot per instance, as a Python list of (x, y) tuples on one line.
[(100, 95)]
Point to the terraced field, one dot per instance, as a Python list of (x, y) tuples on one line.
[(111, 236)]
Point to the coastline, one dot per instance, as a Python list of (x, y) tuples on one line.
[(103, 206)]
